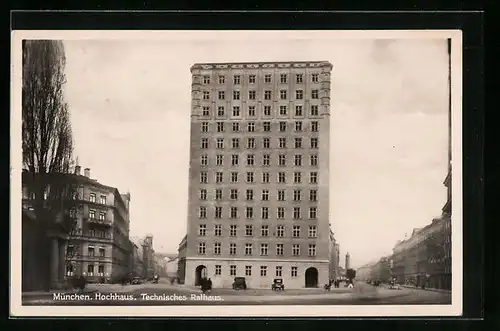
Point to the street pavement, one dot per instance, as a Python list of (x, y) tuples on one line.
[(149, 294)]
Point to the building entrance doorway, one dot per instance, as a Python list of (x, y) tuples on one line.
[(200, 272), (311, 277)]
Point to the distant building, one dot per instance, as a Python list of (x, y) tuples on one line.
[(347, 261), (146, 255), (181, 263), (334, 257)]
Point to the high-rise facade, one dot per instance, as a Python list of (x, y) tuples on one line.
[(259, 174)]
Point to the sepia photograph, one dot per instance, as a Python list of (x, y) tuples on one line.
[(198, 173)]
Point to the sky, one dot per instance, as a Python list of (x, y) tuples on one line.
[(130, 109)]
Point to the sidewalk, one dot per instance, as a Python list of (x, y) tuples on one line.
[(52, 292), (426, 289)]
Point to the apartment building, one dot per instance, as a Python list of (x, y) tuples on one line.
[(259, 174)]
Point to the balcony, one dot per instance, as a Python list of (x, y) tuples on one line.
[(91, 258), (79, 234), (99, 221)]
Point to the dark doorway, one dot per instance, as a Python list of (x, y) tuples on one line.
[(312, 277), (200, 272)]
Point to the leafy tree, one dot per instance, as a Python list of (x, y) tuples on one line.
[(350, 274)]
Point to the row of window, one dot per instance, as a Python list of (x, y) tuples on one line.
[(93, 198), (75, 196), (90, 270), (282, 143), (252, 79), (267, 111), (252, 95), (250, 178), (264, 230), (236, 126), (266, 160), (248, 271), (264, 249), (265, 194), (234, 212)]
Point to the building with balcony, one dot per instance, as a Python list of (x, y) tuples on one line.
[(259, 174)]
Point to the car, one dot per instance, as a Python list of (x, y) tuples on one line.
[(376, 282), (135, 281), (239, 283), (278, 285)]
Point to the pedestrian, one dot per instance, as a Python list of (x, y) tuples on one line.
[(209, 283)]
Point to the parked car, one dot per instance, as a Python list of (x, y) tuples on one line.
[(278, 285), (239, 283), (376, 282), (136, 281)]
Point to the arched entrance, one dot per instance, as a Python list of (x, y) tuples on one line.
[(200, 272), (312, 277)]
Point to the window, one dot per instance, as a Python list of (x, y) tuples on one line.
[(248, 270), (206, 95), (297, 177), (232, 230), (102, 216), (234, 194), (313, 195), (218, 194), (314, 94), (202, 248), (296, 231), (264, 230), (236, 127), (248, 249), (92, 197), (202, 230), (313, 177), (282, 142), (281, 178), (267, 78), (298, 160), (250, 177), (232, 251), (267, 110), (100, 270), (282, 160), (251, 143), (234, 177), (236, 111), (298, 110), (92, 214), (283, 78), (251, 79), (103, 199), (219, 159), (265, 213), (264, 249), (234, 212), (314, 110), (294, 271), (266, 143), (250, 160), (220, 111), (282, 126), (283, 110), (220, 127), (314, 126), (281, 212), (234, 159), (203, 212), (203, 177), (204, 160), (267, 95), (280, 231), (249, 212), (219, 177), (251, 111), (279, 249), (281, 195), (249, 194), (222, 95), (235, 143), (205, 111), (265, 177), (266, 126), (236, 79), (315, 78), (248, 230), (220, 143), (263, 270), (206, 79), (296, 250), (232, 270), (312, 213), (314, 142), (218, 212), (90, 270), (279, 271), (251, 127), (299, 78), (313, 160), (217, 248), (298, 142), (283, 94), (204, 126), (236, 95), (265, 195), (313, 231), (218, 270), (91, 251), (252, 95), (296, 213), (299, 94), (222, 79), (296, 195), (312, 250), (218, 230), (266, 160), (298, 126)]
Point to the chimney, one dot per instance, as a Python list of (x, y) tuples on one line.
[(78, 169), (87, 172)]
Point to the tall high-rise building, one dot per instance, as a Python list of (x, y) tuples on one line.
[(347, 261), (259, 174)]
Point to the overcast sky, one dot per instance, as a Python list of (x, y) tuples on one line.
[(130, 106)]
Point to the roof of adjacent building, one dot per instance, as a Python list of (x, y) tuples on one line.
[(239, 65)]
